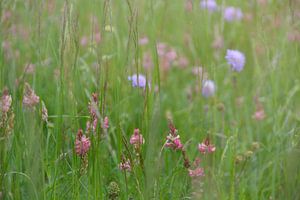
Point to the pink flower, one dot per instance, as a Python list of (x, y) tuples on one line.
[(147, 61), (105, 123), (5, 102), (30, 99), (143, 41), (82, 143), (125, 165), (183, 62), (259, 115), (84, 41), (199, 171), (173, 139), (206, 147), (137, 139)]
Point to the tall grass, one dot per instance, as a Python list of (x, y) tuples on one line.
[(253, 159)]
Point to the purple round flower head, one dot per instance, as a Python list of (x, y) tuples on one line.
[(232, 14), (210, 5), (138, 80), (235, 59), (208, 88)]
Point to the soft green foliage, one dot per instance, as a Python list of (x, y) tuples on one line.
[(253, 159)]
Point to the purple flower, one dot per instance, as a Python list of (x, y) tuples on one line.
[(232, 14), (138, 80), (235, 59), (210, 5), (208, 88)]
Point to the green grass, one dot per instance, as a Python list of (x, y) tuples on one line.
[(38, 160)]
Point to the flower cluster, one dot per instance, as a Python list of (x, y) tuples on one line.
[(235, 59), (209, 5), (30, 99), (173, 139), (137, 139), (138, 80), (91, 125), (5, 102), (206, 147), (82, 143)]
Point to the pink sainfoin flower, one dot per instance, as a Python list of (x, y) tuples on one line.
[(137, 139), (143, 41), (147, 61), (5, 102), (173, 139), (93, 110), (82, 143), (182, 62), (30, 99), (105, 124), (206, 147), (259, 115), (125, 165), (197, 171)]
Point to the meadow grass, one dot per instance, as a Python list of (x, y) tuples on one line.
[(254, 159)]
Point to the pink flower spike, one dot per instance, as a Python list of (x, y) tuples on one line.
[(105, 123), (5, 102), (202, 148), (136, 139), (125, 165), (259, 115), (196, 172), (206, 147), (82, 143), (30, 99)]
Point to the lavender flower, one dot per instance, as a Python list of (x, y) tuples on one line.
[(208, 88), (209, 5), (138, 80), (236, 59), (233, 14)]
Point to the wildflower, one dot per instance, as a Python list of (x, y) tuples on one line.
[(113, 190), (125, 165), (84, 41), (183, 62), (147, 61), (82, 143), (233, 14), (235, 59), (30, 68), (143, 41), (206, 147), (255, 146), (173, 139), (93, 110), (138, 80), (44, 112), (199, 171), (161, 48), (5, 102), (105, 123), (209, 5), (136, 139), (189, 5), (208, 88), (259, 114), (30, 99)]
